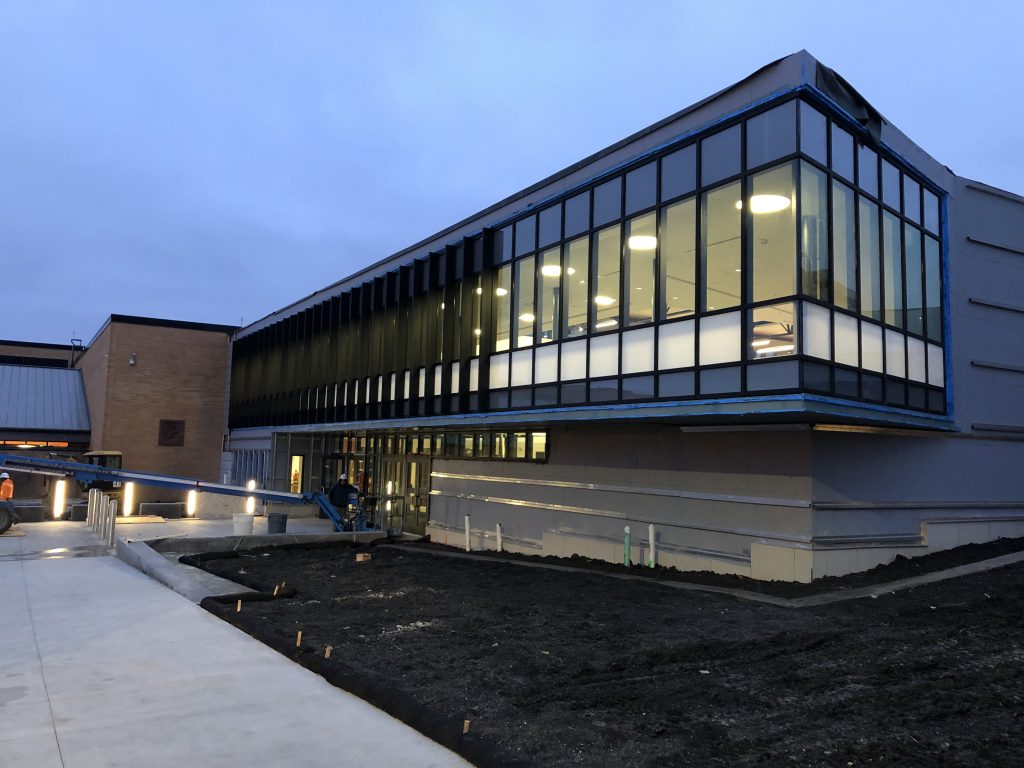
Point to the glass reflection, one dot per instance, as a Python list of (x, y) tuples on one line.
[(773, 227), (576, 282), (606, 276), (638, 257)]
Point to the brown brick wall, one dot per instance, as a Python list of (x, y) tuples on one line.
[(93, 365), (180, 375)]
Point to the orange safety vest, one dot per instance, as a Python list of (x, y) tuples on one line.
[(6, 490)]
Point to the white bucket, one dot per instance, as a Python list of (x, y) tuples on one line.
[(242, 524)]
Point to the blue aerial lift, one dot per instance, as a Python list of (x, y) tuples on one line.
[(88, 474)]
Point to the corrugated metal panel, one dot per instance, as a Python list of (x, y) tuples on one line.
[(42, 398)]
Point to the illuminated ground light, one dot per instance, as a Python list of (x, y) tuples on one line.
[(129, 498), (250, 501), (190, 503), (59, 495)]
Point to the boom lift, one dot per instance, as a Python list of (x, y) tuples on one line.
[(91, 474)]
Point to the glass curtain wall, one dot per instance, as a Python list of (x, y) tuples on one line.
[(784, 252)]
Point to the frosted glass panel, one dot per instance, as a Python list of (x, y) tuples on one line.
[(936, 370), (474, 374), (638, 351), (871, 347), (720, 339), (915, 360), (817, 332), (676, 344), (422, 391), (546, 365), (455, 378), (846, 339), (408, 382), (604, 355), (437, 380), (499, 371), (522, 368), (574, 360), (895, 362), (394, 385)]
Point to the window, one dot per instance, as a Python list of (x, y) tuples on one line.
[(638, 261), (812, 133), (526, 235), (844, 247), (295, 473), (870, 269), (915, 279), (720, 156), (772, 332), (606, 278), (608, 202), (549, 280), (772, 209), (867, 169), (576, 282), (577, 214), (678, 259), (641, 188), (679, 173), (813, 231), (890, 185), (524, 315), (892, 257), (842, 152), (933, 289), (171, 433), (720, 261), (502, 307), (771, 135), (550, 226)]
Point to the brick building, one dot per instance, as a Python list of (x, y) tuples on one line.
[(156, 392)]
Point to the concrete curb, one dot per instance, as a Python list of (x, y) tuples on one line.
[(188, 545), (142, 557)]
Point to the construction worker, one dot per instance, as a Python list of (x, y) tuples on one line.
[(6, 487)]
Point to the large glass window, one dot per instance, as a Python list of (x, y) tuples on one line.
[(933, 289), (772, 209), (549, 291), (608, 202), (771, 135), (812, 133), (524, 314), (720, 255), (502, 304), (892, 257), (915, 279), (720, 156), (577, 214), (870, 263), (844, 247), (606, 278), (867, 170), (526, 235), (679, 173), (550, 226), (813, 231), (678, 259), (842, 152), (641, 188), (638, 262), (577, 280), (890, 185), (477, 302)]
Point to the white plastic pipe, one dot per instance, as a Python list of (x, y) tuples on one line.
[(497, 529), (113, 524), (653, 552), (468, 547)]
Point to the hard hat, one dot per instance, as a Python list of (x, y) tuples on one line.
[(343, 476), (4, 476)]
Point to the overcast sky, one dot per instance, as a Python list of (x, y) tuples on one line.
[(213, 161)]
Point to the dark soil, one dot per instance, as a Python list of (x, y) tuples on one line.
[(562, 669), (900, 568)]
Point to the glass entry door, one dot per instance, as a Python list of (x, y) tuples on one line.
[(405, 493)]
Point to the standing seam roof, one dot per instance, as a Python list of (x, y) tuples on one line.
[(42, 398)]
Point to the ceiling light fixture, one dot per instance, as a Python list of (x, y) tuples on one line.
[(501, 291), (766, 203), (642, 242), (526, 317), (603, 301), (551, 270)]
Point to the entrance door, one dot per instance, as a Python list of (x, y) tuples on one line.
[(417, 494)]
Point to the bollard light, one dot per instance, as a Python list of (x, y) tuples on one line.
[(250, 502), (190, 503), (59, 492), (129, 498)]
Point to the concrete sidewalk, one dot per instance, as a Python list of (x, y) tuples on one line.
[(104, 667)]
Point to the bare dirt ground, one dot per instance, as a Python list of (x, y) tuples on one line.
[(563, 669)]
